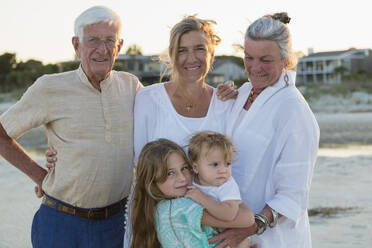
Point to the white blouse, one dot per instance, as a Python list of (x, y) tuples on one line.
[(155, 117), (277, 139)]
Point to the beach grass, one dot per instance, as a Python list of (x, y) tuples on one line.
[(329, 211), (314, 91)]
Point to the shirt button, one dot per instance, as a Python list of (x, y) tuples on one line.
[(108, 137), (108, 125), (104, 103)]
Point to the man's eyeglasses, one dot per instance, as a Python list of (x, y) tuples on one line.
[(94, 42)]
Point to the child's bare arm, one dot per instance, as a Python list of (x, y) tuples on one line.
[(225, 211), (244, 218)]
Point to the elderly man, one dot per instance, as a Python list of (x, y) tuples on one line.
[(88, 118)]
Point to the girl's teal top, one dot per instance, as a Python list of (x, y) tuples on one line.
[(184, 215)]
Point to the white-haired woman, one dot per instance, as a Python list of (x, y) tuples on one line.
[(277, 137)]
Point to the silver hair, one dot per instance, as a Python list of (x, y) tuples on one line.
[(269, 27), (95, 14)]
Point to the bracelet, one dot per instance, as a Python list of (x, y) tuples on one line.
[(275, 218), (261, 227)]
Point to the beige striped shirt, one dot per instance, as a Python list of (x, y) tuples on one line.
[(91, 130)]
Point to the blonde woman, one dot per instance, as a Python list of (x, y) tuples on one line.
[(186, 104)]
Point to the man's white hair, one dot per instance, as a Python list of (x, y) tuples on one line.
[(94, 15)]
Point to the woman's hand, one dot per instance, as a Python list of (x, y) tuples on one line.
[(51, 158), (38, 191), (227, 91), (233, 237)]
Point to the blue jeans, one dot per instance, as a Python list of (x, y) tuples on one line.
[(51, 228)]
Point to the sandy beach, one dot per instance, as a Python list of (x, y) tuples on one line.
[(340, 189)]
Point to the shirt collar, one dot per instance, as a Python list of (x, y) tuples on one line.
[(267, 93), (83, 77)]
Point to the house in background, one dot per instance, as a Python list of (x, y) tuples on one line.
[(329, 67), (226, 68), (146, 68)]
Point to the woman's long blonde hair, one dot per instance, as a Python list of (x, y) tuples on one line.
[(152, 168), (186, 25)]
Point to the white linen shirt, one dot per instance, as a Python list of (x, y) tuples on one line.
[(278, 141), (155, 118)]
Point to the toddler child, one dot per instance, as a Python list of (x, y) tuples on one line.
[(211, 156)]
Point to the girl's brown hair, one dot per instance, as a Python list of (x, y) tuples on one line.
[(151, 169)]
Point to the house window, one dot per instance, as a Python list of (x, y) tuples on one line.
[(319, 65), (130, 65)]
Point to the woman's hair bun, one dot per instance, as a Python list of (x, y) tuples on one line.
[(282, 17)]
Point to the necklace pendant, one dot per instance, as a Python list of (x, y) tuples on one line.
[(189, 106)]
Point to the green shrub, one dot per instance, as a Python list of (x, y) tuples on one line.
[(312, 92)]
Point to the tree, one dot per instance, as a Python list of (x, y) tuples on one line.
[(8, 62), (237, 60), (134, 50), (21, 75), (70, 65)]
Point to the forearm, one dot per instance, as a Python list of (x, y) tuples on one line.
[(226, 211), (267, 212), (14, 154), (244, 218)]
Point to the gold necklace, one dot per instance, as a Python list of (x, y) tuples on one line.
[(188, 104)]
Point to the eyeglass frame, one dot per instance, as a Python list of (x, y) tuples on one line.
[(98, 41)]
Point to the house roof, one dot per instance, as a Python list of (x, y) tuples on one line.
[(136, 57), (326, 54), (217, 63), (343, 53)]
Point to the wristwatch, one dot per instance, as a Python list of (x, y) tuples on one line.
[(261, 222), (275, 218)]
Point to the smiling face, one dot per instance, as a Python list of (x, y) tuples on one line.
[(179, 177), (97, 62), (212, 169), (263, 62), (194, 58)]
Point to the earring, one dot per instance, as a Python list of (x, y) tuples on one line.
[(286, 79)]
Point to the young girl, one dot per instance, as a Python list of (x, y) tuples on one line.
[(211, 156), (162, 216)]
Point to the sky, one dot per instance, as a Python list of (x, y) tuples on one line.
[(42, 29)]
